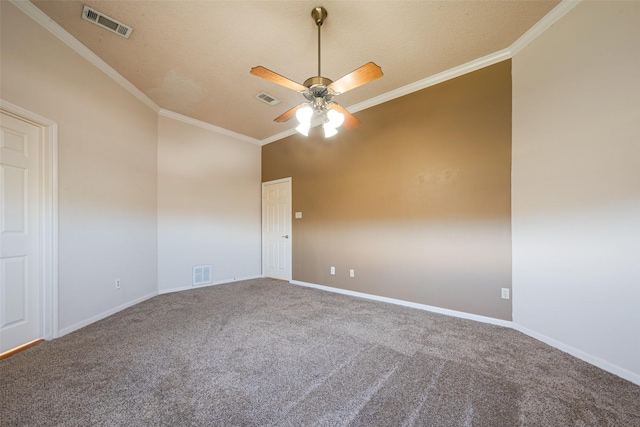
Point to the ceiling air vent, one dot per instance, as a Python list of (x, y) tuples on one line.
[(268, 99), (105, 22)]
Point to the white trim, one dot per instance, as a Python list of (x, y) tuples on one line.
[(48, 216), (542, 25), (105, 314), (50, 25), (278, 136), (277, 181), (431, 308), (593, 360), (220, 282), (289, 254), (207, 126)]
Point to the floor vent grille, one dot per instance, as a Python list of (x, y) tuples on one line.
[(105, 22)]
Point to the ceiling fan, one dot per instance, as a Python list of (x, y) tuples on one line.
[(319, 92)]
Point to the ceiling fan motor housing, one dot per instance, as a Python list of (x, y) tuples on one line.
[(317, 81), (318, 92)]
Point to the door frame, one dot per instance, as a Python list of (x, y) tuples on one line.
[(48, 216), (289, 205)]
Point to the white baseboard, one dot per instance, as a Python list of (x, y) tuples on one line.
[(454, 313), (104, 314), (593, 360), (600, 363), (220, 282)]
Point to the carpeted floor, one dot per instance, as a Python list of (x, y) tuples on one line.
[(267, 353)]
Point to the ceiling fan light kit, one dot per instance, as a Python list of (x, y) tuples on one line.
[(319, 92)]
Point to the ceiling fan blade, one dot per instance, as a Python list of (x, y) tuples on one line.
[(362, 75), (350, 121), (277, 78), (287, 115)]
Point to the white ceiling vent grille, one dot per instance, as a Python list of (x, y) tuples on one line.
[(202, 274), (104, 21), (268, 99)]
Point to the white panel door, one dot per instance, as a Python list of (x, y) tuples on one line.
[(19, 233), (276, 229)]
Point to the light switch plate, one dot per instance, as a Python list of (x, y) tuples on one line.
[(298, 215)]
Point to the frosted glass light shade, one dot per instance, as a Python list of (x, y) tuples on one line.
[(329, 130), (335, 118), (303, 128), (304, 114)]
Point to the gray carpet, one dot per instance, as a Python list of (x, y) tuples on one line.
[(267, 353)]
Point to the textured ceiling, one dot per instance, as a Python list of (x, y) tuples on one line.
[(194, 57)]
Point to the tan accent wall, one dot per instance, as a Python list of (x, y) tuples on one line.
[(416, 200)]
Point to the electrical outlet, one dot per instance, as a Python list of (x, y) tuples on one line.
[(333, 270), (352, 273), (117, 283), (505, 293)]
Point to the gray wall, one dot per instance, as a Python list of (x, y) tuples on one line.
[(208, 205), (576, 185), (107, 143)]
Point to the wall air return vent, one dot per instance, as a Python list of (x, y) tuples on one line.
[(268, 99), (202, 274), (104, 21)]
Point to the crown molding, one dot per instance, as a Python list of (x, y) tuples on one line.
[(279, 136), (543, 25), (208, 126), (41, 18)]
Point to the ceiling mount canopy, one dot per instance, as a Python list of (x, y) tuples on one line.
[(319, 91), (319, 14)]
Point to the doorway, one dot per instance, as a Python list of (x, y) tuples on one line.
[(28, 227), (276, 229)]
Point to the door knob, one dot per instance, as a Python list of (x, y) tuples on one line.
[(286, 236)]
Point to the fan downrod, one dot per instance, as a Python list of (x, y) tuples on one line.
[(319, 14)]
